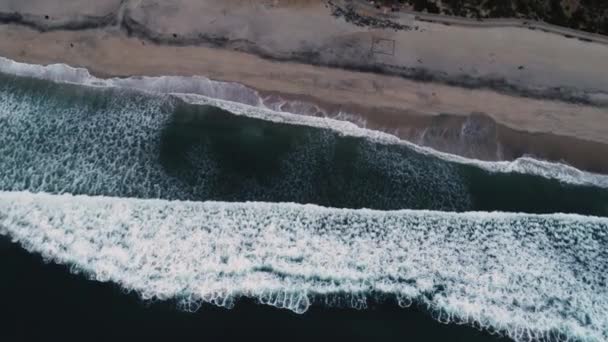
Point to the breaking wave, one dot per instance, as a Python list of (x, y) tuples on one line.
[(242, 100), (528, 276)]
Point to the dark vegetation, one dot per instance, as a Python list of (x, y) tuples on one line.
[(586, 15)]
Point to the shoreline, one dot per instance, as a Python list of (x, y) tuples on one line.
[(410, 124), (476, 136), (506, 125), (145, 20)]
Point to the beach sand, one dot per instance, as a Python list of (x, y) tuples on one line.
[(480, 103)]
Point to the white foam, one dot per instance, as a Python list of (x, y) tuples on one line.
[(107, 143), (526, 165), (241, 100), (161, 84), (525, 275)]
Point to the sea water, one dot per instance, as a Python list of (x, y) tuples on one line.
[(201, 200)]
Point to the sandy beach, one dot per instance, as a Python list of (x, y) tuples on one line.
[(489, 93)]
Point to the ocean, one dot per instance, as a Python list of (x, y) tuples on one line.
[(45, 300), (168, 202)]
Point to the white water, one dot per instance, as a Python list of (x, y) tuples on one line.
[(241, 100), (526, 275)]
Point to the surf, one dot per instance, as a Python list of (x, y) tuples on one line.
[(165, 186), (527, 276), (66, 138), (241, 100)]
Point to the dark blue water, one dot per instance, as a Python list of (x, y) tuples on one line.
[(44, 301)]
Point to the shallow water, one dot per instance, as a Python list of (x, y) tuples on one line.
[(60, 138), (148, 166)]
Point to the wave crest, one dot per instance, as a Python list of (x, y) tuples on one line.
[(524, 275)]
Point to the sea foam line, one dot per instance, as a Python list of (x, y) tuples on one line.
[(529, 276), (241, 100)]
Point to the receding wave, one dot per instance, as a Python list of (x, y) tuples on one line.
[(241, 100), (529, 276)]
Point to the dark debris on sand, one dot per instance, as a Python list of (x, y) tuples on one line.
[(351, 16)]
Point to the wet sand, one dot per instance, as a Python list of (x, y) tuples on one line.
[(554, 108)]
